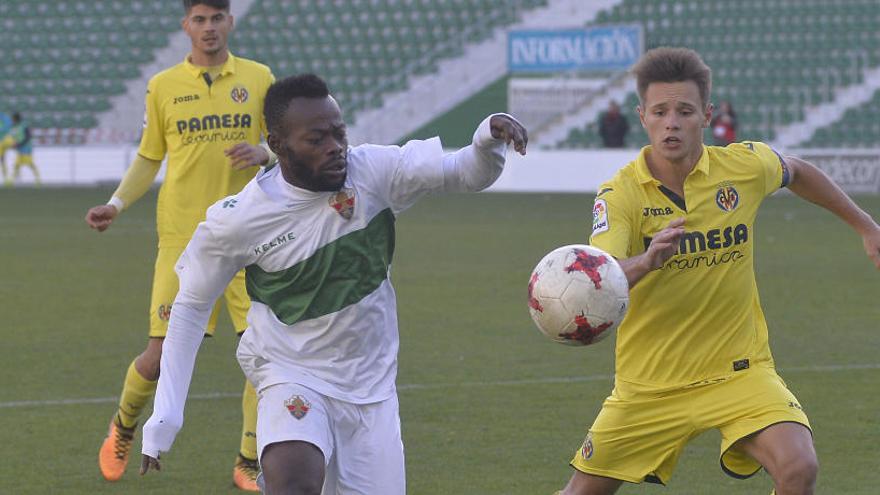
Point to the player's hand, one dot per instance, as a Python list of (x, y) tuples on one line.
[(664, 245), (508, 129), (100, 217), (148, 463), (871, 241), (244, 155)]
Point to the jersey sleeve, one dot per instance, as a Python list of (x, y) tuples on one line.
[(204, 270), (423, 167), (612, 225), (417, 170), (773, 167), (153, 138)]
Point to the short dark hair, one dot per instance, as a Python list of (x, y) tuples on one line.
[(668, 65), (217, 4), (282, 91)]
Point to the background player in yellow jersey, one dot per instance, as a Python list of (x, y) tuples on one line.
[(6, 142), (22, 141), (692, 353), (206, 115)]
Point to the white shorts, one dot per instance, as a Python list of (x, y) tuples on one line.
[(362, 445)]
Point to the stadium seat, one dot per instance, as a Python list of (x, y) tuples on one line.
[(56, 52), (770, 66), (367, 49)]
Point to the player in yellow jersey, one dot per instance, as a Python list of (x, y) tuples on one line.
[(21, 137), (206, 115), (6, 142), (692, 353)]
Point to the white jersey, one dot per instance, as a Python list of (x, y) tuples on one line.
[(323, 311)]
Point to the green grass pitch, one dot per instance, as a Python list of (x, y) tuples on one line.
[(488, 405)]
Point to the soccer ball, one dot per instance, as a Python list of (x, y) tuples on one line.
[(578, 295)]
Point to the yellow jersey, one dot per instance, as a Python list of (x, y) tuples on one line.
[(698, 318), (194, 119)]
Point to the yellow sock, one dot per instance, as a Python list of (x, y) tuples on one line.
[(249, 421), (136, 392), (36, 174)]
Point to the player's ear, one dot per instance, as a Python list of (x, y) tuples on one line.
[(641, 112), (274, 143), (708, 114)]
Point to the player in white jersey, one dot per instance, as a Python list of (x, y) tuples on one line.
[(315, 236)]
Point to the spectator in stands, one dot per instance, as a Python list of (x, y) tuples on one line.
[(723, 125), (6, 142), (21, 139), (213, 104), (613, 127)]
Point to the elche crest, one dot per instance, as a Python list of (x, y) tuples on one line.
[(578, 295)]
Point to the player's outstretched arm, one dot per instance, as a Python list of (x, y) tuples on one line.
[(135, 183), (244, 155), (809, 182), (663, 246), (204, 270), (477, 166)]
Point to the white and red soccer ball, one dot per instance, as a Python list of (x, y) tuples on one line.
[(578, 295)]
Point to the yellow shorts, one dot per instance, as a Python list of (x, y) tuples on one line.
[(22, 160), (165, 286), (638, 437)]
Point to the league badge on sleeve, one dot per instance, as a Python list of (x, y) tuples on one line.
[(600, 216)]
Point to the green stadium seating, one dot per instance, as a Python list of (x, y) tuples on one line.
[(62, 61), (769, 59), (367, 48), (858, 128)]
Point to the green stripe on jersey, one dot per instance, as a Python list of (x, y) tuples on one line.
[(337, 275)]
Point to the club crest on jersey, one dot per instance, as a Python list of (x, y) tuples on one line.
[(343, 202), (727, 198), (239, 94), (298, 406), (164, 312), (587, 448)]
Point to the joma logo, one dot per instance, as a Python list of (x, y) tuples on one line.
[(655, 212), (185, 99)]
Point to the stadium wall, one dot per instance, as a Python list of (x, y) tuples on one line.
[(857, 171)]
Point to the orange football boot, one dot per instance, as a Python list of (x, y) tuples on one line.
[(244, 474), (113, 456)]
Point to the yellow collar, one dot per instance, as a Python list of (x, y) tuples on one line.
[(643, 173), (197, 71)]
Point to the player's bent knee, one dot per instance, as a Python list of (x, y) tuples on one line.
[(588, 484), (293, 468), (798, 475), (291, 486)]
